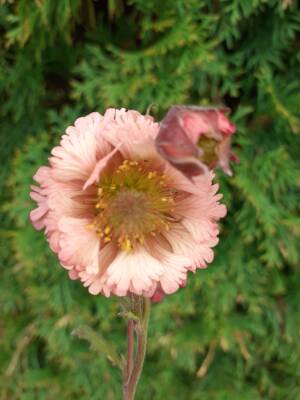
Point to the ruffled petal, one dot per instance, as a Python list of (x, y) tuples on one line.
[(78, 151), (101, 164), (106, 256), (78, 244), (137, 271), (135, 133)]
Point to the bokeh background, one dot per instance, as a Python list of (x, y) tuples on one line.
[(233, 332)]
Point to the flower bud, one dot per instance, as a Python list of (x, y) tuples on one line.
[(195, 139)]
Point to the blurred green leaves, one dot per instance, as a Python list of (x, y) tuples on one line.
[(233, 333)]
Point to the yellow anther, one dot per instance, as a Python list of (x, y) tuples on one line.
[(124, 166), (164, 199), (107, 230), (126, 245), (90, 226), (99, 191), (107, 239), (151, 174), (101, 204)]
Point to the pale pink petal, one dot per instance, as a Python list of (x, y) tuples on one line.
[(38, 225), (130, 129), (73, 274), (100, 165), (195, 126), (43, 175), (79, 244), (38, 213), (106, 256), (180, 181), (198, 207), (137, 269), (68, 199), (174, 265), (78, 152)]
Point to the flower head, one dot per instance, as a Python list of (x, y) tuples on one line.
[(195, 139), (120, 217)]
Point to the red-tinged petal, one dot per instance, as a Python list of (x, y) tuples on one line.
[(191, 139), (177, 148)]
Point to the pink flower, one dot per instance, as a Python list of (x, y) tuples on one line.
[(120, 218), (195, 139)]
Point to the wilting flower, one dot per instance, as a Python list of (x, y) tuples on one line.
[(196, 139), (120, 217)]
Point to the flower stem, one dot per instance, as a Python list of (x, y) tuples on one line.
[(141, 307), (130, 348)]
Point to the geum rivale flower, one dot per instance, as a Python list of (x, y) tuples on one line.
[(196, 139), (120, 217)]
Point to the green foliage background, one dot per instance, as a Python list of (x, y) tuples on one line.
[(233, 333)]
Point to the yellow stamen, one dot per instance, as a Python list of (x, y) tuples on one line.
[(126, 245), (151, 175), (133, 163), (90, 226)]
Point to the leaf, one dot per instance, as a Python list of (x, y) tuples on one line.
[(128, 315), (99, 344)]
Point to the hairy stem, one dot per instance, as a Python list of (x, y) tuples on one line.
[(130, 348), (141, 307)]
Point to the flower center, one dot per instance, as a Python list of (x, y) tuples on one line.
[(134, 202)]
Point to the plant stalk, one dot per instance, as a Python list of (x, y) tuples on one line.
[(140, 306)]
